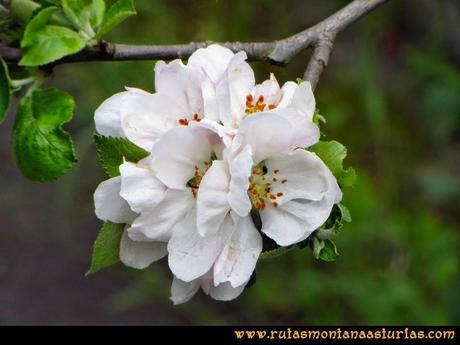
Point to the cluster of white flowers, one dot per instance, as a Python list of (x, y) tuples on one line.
[(219, 146)]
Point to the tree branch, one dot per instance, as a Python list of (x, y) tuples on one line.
[(320, 37)]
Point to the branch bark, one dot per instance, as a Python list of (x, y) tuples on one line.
[(320, 37)]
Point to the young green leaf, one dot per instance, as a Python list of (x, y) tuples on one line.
[(346, 215), (43, 150), (332, 154), (85, 15), (44, 43), (5, 91), (325, 250), (329, 251), (112, 151), (106, 250), (117, 13)]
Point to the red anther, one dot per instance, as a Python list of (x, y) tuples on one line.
[(271, 106), (260, 99), (276, 171), (260, 107), (279, 194), (274, 179), (284, 181), (262, 206), (273, 197), (275, 204), (183, 122), (249, 98)]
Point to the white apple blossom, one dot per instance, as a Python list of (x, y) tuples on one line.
[(220, 146), (110, 206)]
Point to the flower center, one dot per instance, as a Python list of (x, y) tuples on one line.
[(198, 173), (260, 185), (184, 121), (259, 105)]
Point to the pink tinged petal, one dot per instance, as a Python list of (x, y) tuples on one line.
[(212, 61), (268, 134), (190, 254), (232, 90), (212, 204), (139, 187), (180, 83), (182, 292), (176, 154), (157, 223), (270, 91), (140, 254), (305, 176), (145, 117), (225, 292), (109, 205), (240, 170), (238, 259)]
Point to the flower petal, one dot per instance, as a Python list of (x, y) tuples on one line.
[(212, 204), (157, 223), (238, 259), (300, 214), (270, 91), (303, 174), (282, 226), (190, 254), (181, 291), (267, 133), (139, 187), (240, 170), (304, 133), (287, 91), (212, 61), (107, 116), (180, 83), (140, 254), (109, 205), (232, 90), (225, 292), (176, 154), (145, 117), (304, 100)]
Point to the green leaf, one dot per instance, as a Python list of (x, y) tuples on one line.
[(112, 151), (44, 151), (84, 14), (44, 43), (332, 153), (117, 13), (5, 91), (325, 250), (106, 250), (346, 216), (329, 251)]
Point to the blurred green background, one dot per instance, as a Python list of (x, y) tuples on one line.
[(391, 94)]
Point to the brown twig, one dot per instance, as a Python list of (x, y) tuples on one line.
[(320, 37)]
